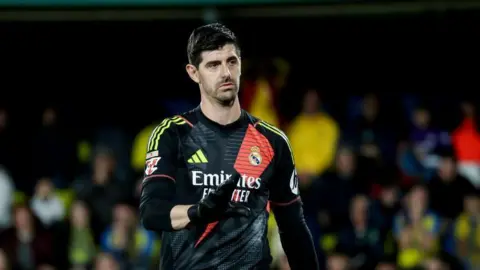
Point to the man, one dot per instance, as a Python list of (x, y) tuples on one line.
[(211, 172)]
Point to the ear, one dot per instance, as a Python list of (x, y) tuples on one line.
[(192, 72), (240, 65)]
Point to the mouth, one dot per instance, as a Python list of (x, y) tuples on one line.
[(226, 85)]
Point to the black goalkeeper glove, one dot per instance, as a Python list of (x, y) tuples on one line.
[(217, 204)]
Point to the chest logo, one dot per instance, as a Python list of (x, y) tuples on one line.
[(255, 157), (198, 158)]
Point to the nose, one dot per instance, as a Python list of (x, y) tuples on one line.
[(226, 71)]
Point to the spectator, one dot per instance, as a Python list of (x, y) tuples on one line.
[(384, 210), (448, 184), (416, 229), (260, 94), (6, 199), (467, 232), (57, 151), (45, 203), (81, 244), (27, 245), (426, 140), (466, 141), (420, 159), (131, 245), (387, 205), (119, 147), (279, 259), (361, 239), (102, 191), (369, 132), (313, 135), (332, 193)]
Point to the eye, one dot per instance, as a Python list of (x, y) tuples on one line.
[(213, 65)]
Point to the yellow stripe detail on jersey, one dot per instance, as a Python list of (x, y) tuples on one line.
[(198, 157), (279, 133), (154, 133), (160, 129)]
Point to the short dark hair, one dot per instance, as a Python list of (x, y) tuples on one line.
[(208, 38)]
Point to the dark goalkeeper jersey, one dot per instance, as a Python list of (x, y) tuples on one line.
[(198, 154)]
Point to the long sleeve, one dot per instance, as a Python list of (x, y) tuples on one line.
[(286, 203), (158, 186)]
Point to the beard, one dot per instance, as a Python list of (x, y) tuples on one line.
[(224, 96)]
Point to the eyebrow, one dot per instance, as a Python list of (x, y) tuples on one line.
[(213, 62), (233, 57)]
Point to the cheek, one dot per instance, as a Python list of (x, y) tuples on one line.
[(236, 72), (204, 78)]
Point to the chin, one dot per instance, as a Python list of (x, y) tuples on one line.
[(227, 98)]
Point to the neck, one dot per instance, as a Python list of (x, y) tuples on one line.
[(344, 173), (219, 113), (25, 235), (359, 225)]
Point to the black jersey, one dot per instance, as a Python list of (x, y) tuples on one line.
[(198, 154)]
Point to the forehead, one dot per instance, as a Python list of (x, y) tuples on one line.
[(223, 53), (418, 191), (360, 200)]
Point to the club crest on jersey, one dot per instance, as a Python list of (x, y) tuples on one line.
[(255, 158), (151, 165)]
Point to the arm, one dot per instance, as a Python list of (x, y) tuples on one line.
[(157, 211), (287, 207)]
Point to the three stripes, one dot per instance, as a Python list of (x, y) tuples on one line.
[(198, 157), (160, 129)]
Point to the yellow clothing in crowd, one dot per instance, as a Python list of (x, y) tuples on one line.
[(314, 140), (139, 148), (415, 254), (468, 231), (262, 105)]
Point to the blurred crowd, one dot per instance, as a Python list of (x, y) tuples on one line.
[(384, 187)]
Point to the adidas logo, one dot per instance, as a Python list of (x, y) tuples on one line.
[(198, 157)]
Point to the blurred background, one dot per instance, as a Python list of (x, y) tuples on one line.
[(379, 100)]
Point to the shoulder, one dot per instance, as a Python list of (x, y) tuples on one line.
[(277, 138), (331, 123), (462, 219), (167, 131), (169, 125), (190, 117), (273, 133)]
